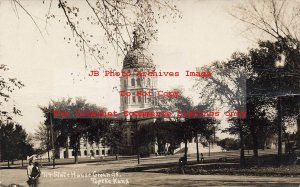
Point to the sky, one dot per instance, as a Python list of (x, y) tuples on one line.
[(50, 69)]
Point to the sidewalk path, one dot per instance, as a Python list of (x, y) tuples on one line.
[(82, 175)]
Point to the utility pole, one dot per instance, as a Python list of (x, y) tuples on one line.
[(52, 142)]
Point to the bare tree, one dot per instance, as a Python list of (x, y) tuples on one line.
[(276, 18), (114, 19), (7, 86)]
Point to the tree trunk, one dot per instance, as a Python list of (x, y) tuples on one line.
[(253, 131), (242, 146), (208, 147), (185, 147), (117, 153), (298, 121), (76, 159), (104, 148), (67, 148), (264, 143), (255, 150), (22, 163), (8, 164), (197, 146), (76, 155), (48, 155)]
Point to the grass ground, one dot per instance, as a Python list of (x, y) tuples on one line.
[(156, 171)]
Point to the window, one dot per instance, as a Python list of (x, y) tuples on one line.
[(154, 98), (148, 81), (97, 152), (103, 152), (85, 153), (133, 98), (132, 82), (79, 153), (139, 99), (125, 84), (138, 82)]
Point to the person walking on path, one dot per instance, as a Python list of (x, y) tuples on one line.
[(34, 175)]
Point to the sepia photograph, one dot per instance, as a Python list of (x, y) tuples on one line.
[(173, 93)]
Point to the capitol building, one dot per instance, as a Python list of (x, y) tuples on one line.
[(137, 59)]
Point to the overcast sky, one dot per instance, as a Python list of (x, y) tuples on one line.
[(50, 68)]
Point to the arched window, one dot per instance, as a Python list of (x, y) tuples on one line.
[(125, 100), (133, 98), (138, 82), (148, 81), (132, 82), (125, 85)]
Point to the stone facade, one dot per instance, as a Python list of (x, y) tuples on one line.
[(143, 92)]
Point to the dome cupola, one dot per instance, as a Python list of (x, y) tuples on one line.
[(138, 56)]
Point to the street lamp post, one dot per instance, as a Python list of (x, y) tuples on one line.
[(280, 63)]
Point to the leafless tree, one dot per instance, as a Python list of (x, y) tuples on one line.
[(274, 18), (8, 85), (115, 19)]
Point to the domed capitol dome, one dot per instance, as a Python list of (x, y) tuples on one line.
[(138, 56)]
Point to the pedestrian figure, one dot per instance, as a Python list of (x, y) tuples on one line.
[(202, 158), (182, 163), (34, 176), (29, 170)]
